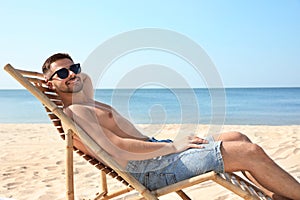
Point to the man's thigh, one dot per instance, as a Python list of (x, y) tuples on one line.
[(237, 155)]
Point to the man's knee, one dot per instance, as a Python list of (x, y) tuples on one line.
[(240, 136), (254, 150)]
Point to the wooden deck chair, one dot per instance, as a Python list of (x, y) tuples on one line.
[(35, 83)]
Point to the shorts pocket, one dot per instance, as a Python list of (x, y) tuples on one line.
[(153, 180)]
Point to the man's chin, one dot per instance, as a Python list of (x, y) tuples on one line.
[(77, 89)]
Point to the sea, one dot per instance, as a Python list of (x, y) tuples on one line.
[(230, 106)]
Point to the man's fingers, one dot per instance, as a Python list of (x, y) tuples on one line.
[(197, 140), (196, 146)]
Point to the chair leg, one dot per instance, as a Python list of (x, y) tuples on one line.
[(104, 182), (69, 165), (183, 195), (104, 187), (104, 196)]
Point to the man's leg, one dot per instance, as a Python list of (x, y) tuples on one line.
[(245, 156), (235, 136), (239, 137), (232, 136)]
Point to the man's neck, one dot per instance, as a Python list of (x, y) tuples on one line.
[(74, 98)]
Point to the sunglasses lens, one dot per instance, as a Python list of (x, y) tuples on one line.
[(76, 69), (63, 73)]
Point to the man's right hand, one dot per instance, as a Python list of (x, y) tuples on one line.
[(188, 142)]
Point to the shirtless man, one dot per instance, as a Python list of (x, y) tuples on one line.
[(154, 163)]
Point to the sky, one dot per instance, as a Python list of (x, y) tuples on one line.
[(251, 43)]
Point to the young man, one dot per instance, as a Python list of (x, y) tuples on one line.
[(159, 163)]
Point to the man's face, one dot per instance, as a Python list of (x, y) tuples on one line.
[(71, 84)]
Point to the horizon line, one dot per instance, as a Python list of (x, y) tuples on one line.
[(158, 88)]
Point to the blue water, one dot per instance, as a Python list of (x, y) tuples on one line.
[(243, 106)]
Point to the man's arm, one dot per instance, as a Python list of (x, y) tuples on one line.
[(120, 148), (88, 89)]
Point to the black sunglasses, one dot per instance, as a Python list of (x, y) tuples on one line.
[(64, 72)]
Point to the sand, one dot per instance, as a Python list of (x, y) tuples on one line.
[(32, 160)]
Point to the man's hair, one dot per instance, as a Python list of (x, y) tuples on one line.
[(53, 58)]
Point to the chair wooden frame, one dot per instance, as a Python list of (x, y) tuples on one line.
[(35, 83)]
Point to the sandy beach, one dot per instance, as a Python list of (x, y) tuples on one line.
[(32, 160)]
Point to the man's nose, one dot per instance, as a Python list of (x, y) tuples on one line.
[(71, 74)]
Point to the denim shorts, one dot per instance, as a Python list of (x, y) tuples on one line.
[(165, 170)]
